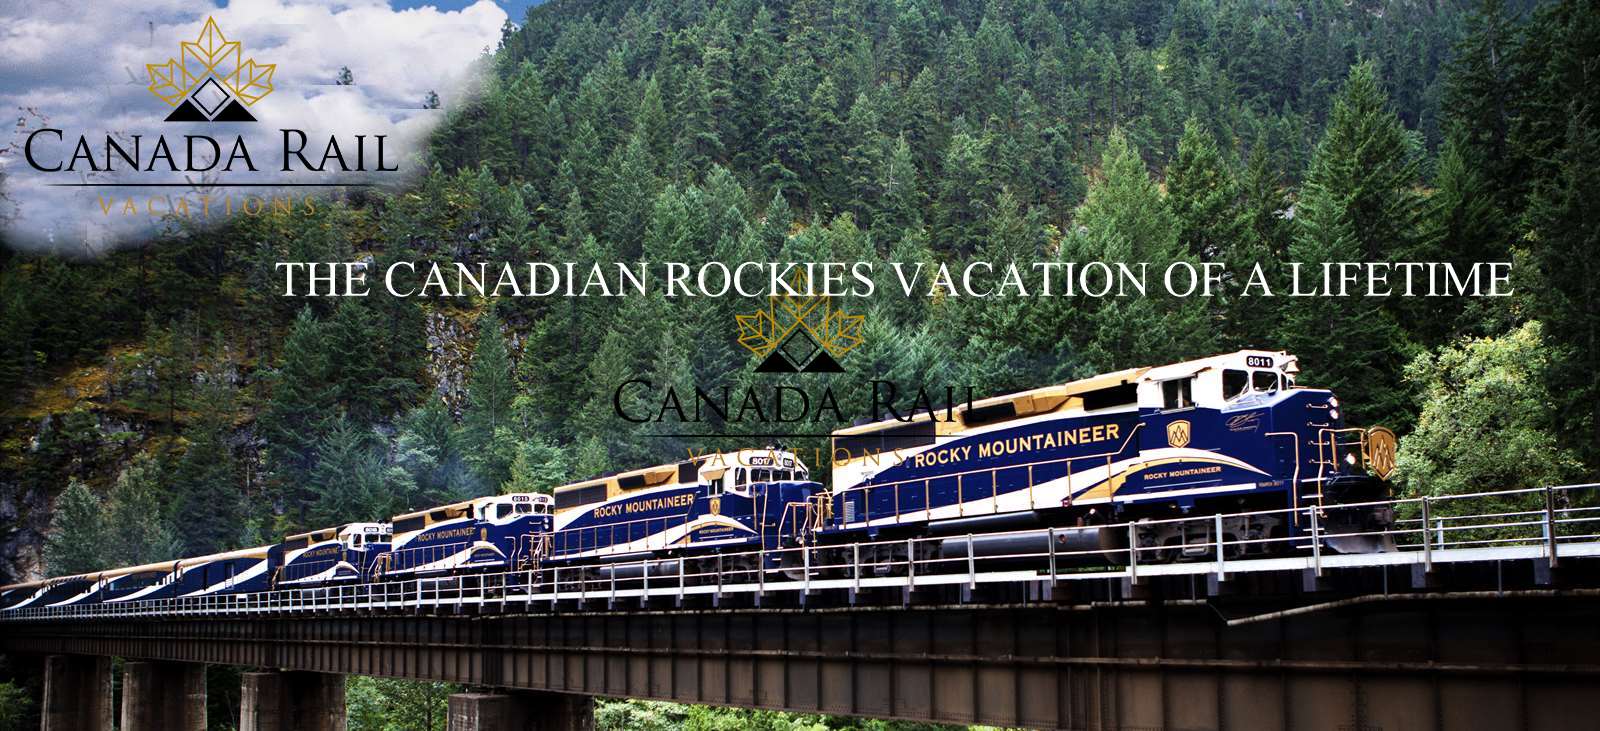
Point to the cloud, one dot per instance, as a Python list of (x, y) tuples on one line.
[(81, 68)]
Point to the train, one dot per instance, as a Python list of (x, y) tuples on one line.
[(1096, 469)]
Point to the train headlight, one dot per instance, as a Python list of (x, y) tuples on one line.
[(1350, 459), (1333, 413), (1333, 401)]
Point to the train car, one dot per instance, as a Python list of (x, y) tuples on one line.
[(234, 572), (1224, 434), (737, 501), (138, 583), (346, 554), (12, 595), (44, 593), (124, 584), (497, 533)]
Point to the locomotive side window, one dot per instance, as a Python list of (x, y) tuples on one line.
[(1234, 383), (406, 525), (762, 475), (502, 511), (739, 476), (1177, 394), (1265, 380)]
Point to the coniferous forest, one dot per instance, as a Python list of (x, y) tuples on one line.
[(165, 400)]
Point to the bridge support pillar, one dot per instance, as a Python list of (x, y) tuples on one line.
[(77, 693), (291, 701), (163, 696), (520, 711)]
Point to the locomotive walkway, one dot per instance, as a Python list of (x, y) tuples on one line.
[(1482, 617)]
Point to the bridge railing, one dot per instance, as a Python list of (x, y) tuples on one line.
[(1546, 524)]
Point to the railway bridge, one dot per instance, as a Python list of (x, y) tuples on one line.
[(1481, 620)]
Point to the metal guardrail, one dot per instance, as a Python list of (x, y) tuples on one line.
[(1551, 524)]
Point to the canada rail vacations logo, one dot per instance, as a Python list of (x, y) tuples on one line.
[(210, 80), (798, 333)]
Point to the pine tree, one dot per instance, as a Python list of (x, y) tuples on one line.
[(1124, 218), (302, 398), (208, 507), (824, 149), (1481, 96), (630, 190), (75, 543), (1203, 195), (140, 530), (863, 161), (901, 201), (965, 190), (700, 142), (1367, 161), (1561, 217), (491, 392), (1263, 232), (783, 139), (425, 448), (1350, 345), (651, 122), (349, 477)]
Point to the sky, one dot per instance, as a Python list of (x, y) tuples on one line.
[(516, 9), (80, 66)]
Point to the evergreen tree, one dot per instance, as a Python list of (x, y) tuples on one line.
[(540, 466), (1561, 218), (302, 398), (208, 507), (1203, 195), (630, 190), (139, 529), (1124, 218), (1480, 94), (1350, 345), (425, 447), (75, 543), (488, 413), (348, 480), (1367, 161)]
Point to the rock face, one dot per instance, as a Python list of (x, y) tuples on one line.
[(86, 444), (449, 356), (24, 516)]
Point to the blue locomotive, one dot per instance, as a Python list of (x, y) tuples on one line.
[(1226, 434), (497, 533), (724, 502), (346, 554)]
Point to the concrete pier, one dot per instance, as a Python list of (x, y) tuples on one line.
[(291, 701), (520, 711), (77, 693), (163, 696)]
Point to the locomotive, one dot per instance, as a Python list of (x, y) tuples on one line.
[(655, 518), (1230, 435)]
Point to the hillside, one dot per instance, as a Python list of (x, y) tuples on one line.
[(202, 411)]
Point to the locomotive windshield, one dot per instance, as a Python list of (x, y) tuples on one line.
[(1236, 383)]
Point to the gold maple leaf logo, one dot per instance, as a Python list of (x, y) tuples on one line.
[(211, 55), (766, 330)]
